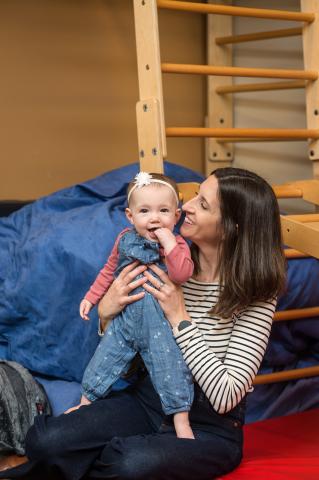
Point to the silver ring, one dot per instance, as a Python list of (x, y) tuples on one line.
[(161, 285)]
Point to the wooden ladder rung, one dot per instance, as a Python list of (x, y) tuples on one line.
[(286, 375), (296, 314), (184, 68), (236, 11), (281, 191), (305, 217), (292, 253), (252, 37), (308, 190), (301, 232), (303, 236), (258, 87), (257, 140), (282, 133)]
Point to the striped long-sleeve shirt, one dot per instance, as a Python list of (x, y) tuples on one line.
[(223, 355)]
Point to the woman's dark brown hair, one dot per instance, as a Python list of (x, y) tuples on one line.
[(252, 264)]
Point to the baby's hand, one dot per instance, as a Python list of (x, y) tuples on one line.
[(85, 307), (166, 238)]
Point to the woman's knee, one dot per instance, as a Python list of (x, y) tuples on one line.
[(139, 465), (128, 460), (42, 440)]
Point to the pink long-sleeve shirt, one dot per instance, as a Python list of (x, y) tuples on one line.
[(178, 261)]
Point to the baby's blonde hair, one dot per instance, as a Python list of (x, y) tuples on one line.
[(155, 176)]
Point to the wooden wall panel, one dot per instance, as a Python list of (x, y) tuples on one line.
[(68, 89)]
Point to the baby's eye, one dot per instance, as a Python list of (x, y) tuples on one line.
[(164, 210), (143, 210)]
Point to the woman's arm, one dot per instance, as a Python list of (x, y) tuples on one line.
[(118, 295), (225, 382)]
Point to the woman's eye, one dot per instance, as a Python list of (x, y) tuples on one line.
[(203, 205)]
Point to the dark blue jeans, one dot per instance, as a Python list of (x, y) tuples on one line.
[(126, 436)]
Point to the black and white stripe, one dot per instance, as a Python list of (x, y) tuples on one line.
[(223, 355)]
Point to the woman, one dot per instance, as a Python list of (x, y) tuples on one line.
[(221, 320)]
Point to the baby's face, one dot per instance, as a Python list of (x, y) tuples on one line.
[(151, 207)]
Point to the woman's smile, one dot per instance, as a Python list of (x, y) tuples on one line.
[(188, 221)]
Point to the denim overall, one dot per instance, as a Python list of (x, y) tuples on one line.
[(140, 327)]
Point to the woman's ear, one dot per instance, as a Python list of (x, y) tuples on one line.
[(129, 215), (178, 213)]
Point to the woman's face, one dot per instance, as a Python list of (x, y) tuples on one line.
[(203, 219)]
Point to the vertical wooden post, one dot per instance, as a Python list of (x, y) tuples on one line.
[(220, 107), (149, 109), (310, 38)]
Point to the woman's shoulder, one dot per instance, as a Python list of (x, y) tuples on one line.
[(261, 309)]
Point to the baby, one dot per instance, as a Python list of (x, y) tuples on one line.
[(141, 326)]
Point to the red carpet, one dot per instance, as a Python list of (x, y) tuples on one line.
[(280, 449)]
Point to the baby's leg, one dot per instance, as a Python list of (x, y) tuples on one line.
[(110, 360), (182, 425), (164, 361)]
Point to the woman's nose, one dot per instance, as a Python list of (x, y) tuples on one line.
[(188, 206)]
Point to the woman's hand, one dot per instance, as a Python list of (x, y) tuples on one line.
[(83, 401), (169, 295), (117, 296)]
